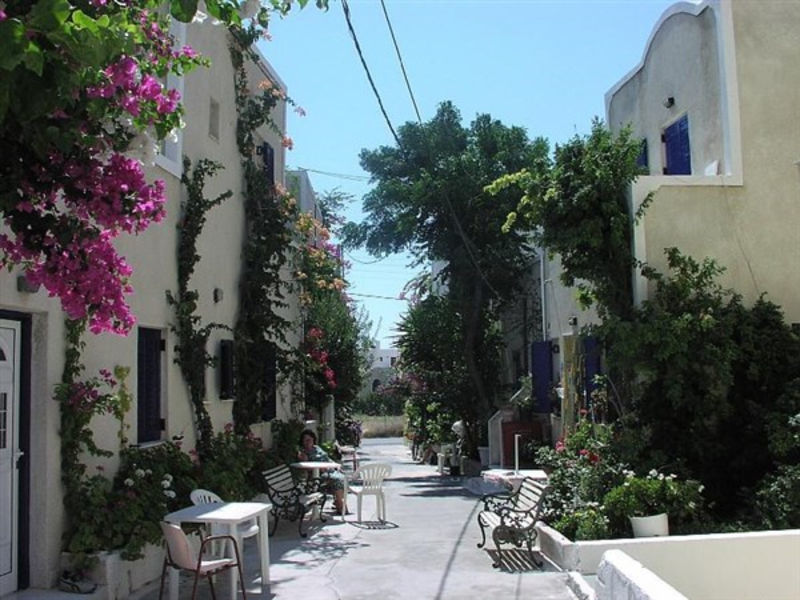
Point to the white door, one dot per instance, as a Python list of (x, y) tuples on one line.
[(9, 452)]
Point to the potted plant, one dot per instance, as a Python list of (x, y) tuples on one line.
[(648, 502)]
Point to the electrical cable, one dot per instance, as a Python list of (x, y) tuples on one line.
[(346, 10), (400, 59), (339, 175), (460, 229), (376, 296)]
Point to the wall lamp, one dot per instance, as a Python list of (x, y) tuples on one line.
[(669, 102)]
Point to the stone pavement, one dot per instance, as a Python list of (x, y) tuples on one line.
[(425, 550)]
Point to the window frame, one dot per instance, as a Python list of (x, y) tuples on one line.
[(170, 154)]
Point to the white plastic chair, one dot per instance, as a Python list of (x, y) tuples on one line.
[(371, 477), (244, 530), (181, 555)]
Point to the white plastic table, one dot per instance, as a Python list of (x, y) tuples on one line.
[(228, 515)]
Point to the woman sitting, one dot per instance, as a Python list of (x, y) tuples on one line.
[(335, 479)]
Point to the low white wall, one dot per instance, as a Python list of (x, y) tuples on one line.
[(753, 565), (619, 576)]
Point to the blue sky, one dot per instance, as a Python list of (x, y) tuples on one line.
[(541, 64)]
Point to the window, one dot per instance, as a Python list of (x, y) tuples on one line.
[(269, 406), (642, 160), (393, 360), (677, 154), (226, 380), (213, 119), (376, 383), (148, 384), (170, 153), (267, 153)]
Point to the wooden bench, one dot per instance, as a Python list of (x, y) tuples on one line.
[(292, 499), (512, 517)]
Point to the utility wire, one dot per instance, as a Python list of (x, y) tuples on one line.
[(346, 10), (378, 297), (466, 240), (339, 175), (400, 59)]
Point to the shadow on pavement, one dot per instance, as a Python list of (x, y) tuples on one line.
[(514, 560)]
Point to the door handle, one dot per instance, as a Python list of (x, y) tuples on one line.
[(18, 454)]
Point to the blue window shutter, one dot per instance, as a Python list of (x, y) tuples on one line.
[(268, 157), (678, 152), (542, 370), (149, 348)]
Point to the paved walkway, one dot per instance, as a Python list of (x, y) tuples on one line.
[(425, 550)]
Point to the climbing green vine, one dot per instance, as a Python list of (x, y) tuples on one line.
[(260, 330), (191, 354)]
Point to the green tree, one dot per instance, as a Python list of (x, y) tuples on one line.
[(579, 210), (710, 378), (429, 199)]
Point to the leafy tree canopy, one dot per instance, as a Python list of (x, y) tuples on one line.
[(579, 210), (430, 199)]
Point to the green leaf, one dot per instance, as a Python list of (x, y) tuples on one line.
[(183, 10), (34, 59), (4, 97), (12, 44), (49, 15), (84, 21)]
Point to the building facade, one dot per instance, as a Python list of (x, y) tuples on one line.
[(714, 101), (32, 325)]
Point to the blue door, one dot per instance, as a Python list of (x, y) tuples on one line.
[(542, 370)]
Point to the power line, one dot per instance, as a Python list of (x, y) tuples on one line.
[(346, 10), (400, 59), (339, 175), (467, 241), (395, 298)]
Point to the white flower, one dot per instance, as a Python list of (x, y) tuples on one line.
[(139, 473), (165, 484), (148, 471), (129, 482), (167, 477), (653, 473), (169, 493)]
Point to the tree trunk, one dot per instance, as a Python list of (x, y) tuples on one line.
[(472, 322)]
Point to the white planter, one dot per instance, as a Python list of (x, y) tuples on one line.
[(117, 578), (652, 526)]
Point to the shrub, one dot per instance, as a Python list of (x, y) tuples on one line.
[(586, 523), (778, 499), (650, 495), (581, 470), (235, 465)]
